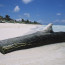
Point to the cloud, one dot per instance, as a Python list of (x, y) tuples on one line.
[(1, 5), (16, 9), (27, 15), (26, 1), (20, 16), (40, 20), (18, 19), (59, 14), (56, 20), (63, 21), (59, 21)]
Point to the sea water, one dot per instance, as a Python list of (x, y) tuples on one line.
[(56, 28)]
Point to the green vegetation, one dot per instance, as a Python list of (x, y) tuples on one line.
[(7, 19)]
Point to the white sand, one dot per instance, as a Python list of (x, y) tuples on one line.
[(45, 55), (10, 30)]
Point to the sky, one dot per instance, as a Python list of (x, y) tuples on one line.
[(43, 11)]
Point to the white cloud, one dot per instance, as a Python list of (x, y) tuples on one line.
[(26, 1), (62, 21), (16, 9), (59, 14), (56, 20), (18, 19), (40, 20), (27, 14), (1, 5)]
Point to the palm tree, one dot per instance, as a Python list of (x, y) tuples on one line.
[(7, 17)]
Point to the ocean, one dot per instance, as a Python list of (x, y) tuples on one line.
[(56, 28)]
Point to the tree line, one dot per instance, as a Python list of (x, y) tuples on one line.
[(10, 20)]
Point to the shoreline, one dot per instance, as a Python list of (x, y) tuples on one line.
[(10, 30)]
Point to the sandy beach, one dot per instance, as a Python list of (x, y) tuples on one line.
[(53, 54), (10, 30)]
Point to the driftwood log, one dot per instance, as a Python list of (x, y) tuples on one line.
[(32, 40)]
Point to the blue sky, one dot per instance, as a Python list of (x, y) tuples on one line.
[(43, 11)]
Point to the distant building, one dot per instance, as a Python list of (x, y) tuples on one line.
[(2, 21)]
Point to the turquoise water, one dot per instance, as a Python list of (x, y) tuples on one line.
[(56, 28)]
